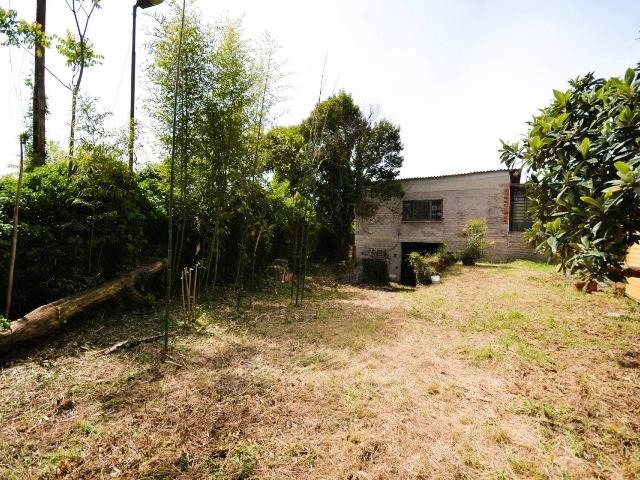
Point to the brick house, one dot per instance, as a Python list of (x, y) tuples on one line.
[(434, 210)]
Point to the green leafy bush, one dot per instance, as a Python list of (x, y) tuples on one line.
[(583, 158), (423, 267), (4, 324), (430, 263), (475, 232), (76, 232), (444, 258)]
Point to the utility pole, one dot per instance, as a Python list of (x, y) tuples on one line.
[(39, 95), (132, 102)]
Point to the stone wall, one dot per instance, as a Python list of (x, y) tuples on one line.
[(484, 195)]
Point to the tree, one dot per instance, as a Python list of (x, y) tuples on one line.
[(358, 157), (18, 32), (583, 155), (79, 54), (25, 34), (39, 92), (194, 84), (223, 106)]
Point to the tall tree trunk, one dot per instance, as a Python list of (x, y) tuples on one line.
[(72, 128), (14, 234), (39, 96)]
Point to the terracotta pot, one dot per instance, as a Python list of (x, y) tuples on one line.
[(592, 287)]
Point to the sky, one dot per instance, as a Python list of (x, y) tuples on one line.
[(456, 76)]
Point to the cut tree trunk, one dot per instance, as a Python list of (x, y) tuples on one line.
[(50, 317)]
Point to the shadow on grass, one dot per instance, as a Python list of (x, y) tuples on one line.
[(491, 266), (96, 330), (391, 287)]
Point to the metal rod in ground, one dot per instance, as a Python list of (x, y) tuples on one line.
[(184, 302), (301, 254), (298, 257), (304, 263), (195, 284), (295, 248), (252, 286), (189, 289), (239, 281)]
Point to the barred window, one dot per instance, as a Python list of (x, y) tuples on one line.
[(421, 210), (519, 218)]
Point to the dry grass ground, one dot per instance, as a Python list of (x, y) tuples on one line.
[(501, 371)]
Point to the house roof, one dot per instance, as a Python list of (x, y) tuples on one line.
[(456, 174)]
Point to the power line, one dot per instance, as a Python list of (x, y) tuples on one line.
[(124, 66), (47, 69)]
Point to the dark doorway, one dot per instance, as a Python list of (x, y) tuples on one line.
[(407, 276)]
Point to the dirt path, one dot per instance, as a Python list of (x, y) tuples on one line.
[(499, 372)]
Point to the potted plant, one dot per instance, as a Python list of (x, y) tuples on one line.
[(422, 267), (475, 232)]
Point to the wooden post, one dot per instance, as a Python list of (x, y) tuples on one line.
[(14, 232)]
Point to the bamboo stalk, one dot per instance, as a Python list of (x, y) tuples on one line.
[(169, 276)]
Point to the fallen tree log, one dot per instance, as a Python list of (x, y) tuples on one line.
[(50, 317)]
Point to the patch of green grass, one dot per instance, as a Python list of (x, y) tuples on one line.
[(301, 454), (114, 403), (528, 352), (316, 359), (497, 350), (86, 428), (526, 468), (576, 445), (485, 354), (495, 322), (60, 460), (501, 475), (238, 462), (555, 414), (358, 397)]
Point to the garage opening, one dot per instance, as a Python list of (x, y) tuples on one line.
[(407, 275)]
